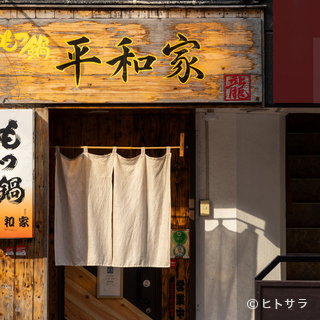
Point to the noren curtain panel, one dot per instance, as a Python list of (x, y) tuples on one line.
[(112, 211)]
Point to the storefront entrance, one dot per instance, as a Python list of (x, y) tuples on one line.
[(150, 293)]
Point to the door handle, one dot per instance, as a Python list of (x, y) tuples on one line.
[(139, 280)]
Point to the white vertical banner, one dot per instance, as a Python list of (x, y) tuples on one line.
[(16, 173)]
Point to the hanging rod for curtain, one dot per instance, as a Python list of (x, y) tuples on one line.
[(181, 147)]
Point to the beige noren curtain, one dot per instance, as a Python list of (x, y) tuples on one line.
[(112, 211)]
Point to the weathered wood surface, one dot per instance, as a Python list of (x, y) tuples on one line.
[(228, 46), (81, 301), (23, 279), (7, 279), (40, 275), (126, 128), (181, 271)]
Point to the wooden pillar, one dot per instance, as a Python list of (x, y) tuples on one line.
[(42, 214)]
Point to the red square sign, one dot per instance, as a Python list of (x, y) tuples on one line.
[(237, 87)]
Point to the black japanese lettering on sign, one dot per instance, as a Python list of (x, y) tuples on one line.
[(180, 285), (123, 60), (182, 66), (9, 221), (180, 313), (9, 162), (11, 190), (75, 58), (9, 139), (10, 187), (180, 299), (23, 222)]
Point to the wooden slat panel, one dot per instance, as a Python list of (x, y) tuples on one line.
[(308, 271), (6, 281), (303, 241), (305, 215), (40, 254), (179, 180), (228, 46), (81, 288), (24, 272), (72, 311), (305, 190)]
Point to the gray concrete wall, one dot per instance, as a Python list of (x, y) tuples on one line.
[(246, 228)]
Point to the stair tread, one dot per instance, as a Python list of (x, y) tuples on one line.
[(303, 220)]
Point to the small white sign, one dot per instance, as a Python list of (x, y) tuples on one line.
[(110, 282), (21, 250), (9, 251)]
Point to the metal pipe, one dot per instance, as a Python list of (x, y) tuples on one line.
[(278, 259), (207, 159)]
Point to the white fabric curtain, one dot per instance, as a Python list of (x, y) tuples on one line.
[(83, 209), (120, 222)]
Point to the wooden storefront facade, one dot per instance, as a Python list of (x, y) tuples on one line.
[(117, 77)]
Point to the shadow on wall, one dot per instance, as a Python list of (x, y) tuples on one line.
[(232, 275), (247, 269), (247, 187)]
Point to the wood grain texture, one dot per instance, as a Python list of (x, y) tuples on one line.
[(126, 128), (23, 301), (42, 213), (82, 303), (228, 46), (7, 276), (24, 278)]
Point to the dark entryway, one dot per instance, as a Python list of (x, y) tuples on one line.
[(146, 288)]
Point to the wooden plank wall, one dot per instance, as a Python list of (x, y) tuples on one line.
[(127, 128), (81, 301), (23, 280)]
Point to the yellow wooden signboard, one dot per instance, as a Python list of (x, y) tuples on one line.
[(126, 61)]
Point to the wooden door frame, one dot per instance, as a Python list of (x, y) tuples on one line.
[(192, 189), (192, 195)]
